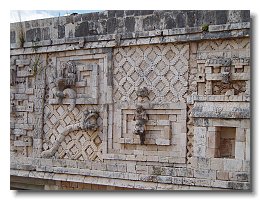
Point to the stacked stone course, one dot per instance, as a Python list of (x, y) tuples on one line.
[(77, 83)]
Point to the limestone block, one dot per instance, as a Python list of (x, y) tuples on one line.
[(203, 163), (240, 150), (152, 158), (23, 173), (19, 132), (181, 171), (121, 167), (211, 139), (162, 142), (112, 167), (19, 143), (22, 63), (248, 147), (177, 180), (240, 135), (211, 152), (239, 176), (164, 179), (133, 176), (222, 175), (163, 159), (208, 70), (219, 110), (199, 136), (246, 165), (144, 185), (220, 184), (189, 181), (232, 165), (217, 163), (141, 169), (205, 173), (245, 123), (240, 185), (130, 167), (60, 177), (202, 182)]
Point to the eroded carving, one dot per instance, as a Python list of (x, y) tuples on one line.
[(226, 74), (65, 80), (218, 62), (140, 119), (90, 120), (142, 94)]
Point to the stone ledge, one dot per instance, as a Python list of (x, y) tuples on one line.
[(234, 110), (133, 42), (146, 37), (188, 182)]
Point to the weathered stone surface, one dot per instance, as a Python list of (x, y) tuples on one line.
[(120, 99), (130, 24), (33, 35), (219, 110), (13, 37), (111, 25), (80, 30), (221, 16), (61, 32)]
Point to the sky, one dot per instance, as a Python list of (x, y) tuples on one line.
[(41, 14)]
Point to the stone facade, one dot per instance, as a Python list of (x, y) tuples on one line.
[(154, 100)]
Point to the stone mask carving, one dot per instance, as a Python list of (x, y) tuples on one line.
[(226, 74), (66, 78), (140, 119), (90, 120)]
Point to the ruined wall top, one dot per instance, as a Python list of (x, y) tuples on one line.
[(119, 24), (156, 100)]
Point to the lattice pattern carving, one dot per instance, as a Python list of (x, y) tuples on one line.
[(81, 145), (163, 69), (78, 145)]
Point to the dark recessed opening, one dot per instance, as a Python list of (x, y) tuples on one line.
[(225, 142)]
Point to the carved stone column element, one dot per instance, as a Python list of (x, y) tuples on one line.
[(89, 122), (140, 119)]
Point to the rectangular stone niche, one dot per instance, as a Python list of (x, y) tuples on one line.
[(225, 142)]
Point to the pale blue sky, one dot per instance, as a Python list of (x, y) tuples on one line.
[(41, 14)]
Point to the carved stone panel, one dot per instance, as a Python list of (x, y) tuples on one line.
[(73, 113), (156, 78), (163, 69)]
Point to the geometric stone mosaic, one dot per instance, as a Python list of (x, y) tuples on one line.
[(163, 69), (78, 145)]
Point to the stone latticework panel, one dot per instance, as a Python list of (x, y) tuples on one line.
[(77, 145), (163, 69)]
